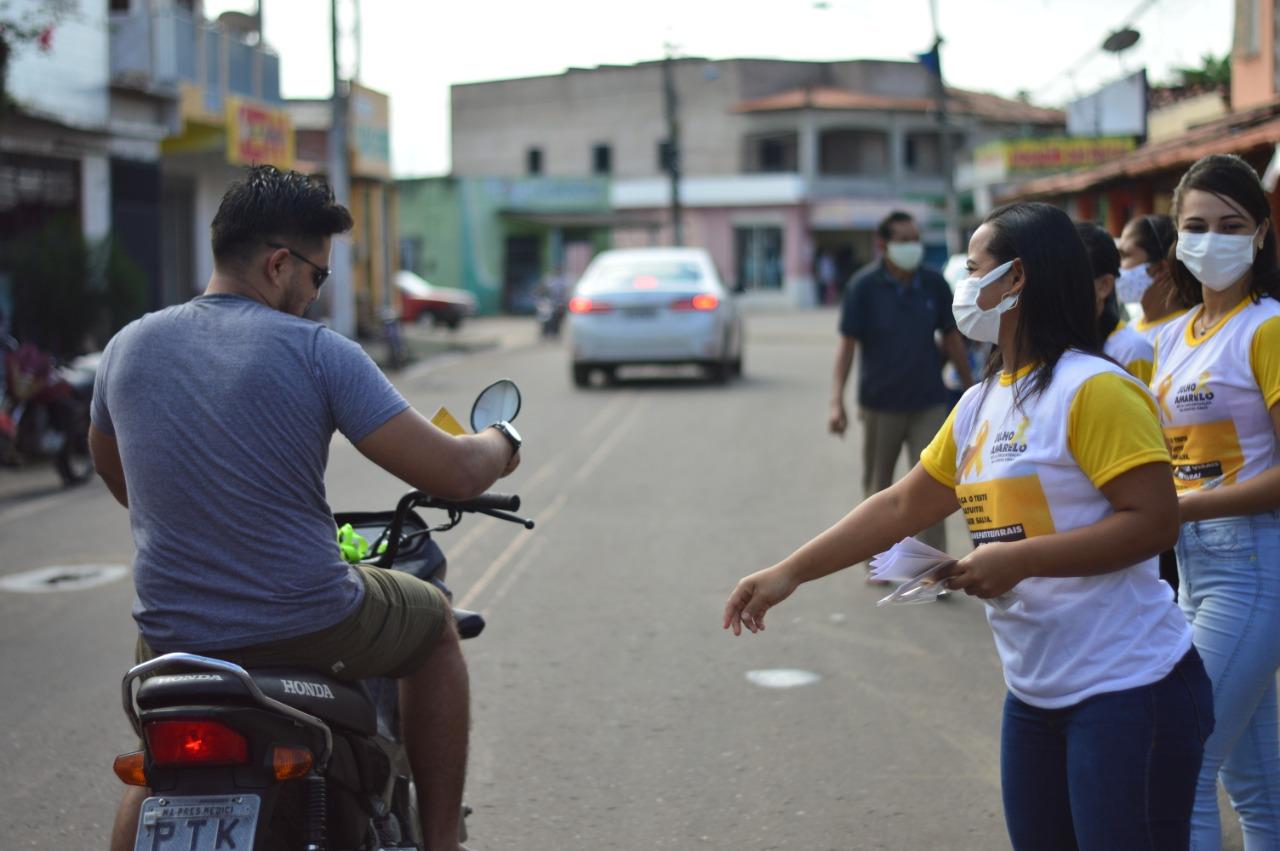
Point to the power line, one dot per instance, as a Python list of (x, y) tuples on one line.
[(1071, 70)]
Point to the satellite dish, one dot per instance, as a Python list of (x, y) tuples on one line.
[(238, 22), (1121, 40)]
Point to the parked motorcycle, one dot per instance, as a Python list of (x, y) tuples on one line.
[(44, 410), (291, 759)]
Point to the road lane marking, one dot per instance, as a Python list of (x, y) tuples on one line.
[(505, 557), (782, 678), (35, 506), (605, 414), (512, 575), (57, 578), (606, 446)]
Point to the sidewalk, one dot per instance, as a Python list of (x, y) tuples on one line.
[(424, 342)]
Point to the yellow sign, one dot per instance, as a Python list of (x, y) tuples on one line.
[(258, 135), (1030, 156), (1005, 509), (1204, 454), (370, 123), (446, 422)]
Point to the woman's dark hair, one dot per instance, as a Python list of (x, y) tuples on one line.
[(1058, 300), (1234, 181), (269, 205), (1156, 235), (1104, 258)]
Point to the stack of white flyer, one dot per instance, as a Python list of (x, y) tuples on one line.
[(921, 569)]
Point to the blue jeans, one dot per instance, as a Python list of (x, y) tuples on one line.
[(1229, 573), (1115, 771)]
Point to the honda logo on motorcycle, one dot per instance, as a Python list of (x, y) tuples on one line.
[(308, 689)]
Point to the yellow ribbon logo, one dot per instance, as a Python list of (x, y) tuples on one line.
[(1162, 393), (1020, 436), (971, 460)]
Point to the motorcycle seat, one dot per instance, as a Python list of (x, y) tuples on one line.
[(342, 704)]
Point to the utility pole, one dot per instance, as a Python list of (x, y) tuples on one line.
[(944, 127), (342, 305), (673, 141)]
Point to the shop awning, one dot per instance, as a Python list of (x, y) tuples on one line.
[(1237, 133), (581, 220)]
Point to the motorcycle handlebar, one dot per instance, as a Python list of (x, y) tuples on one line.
[(483, 502)]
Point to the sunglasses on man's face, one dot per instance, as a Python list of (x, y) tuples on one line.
[(319, 275)]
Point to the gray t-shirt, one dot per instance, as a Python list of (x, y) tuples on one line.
[(223, 410)]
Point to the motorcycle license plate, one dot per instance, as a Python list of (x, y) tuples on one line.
[(198, 823)]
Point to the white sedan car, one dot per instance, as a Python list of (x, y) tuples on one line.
[(653, 306)]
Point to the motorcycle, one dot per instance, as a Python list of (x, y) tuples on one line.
[(291, 759), (549, 308), (44, 411)]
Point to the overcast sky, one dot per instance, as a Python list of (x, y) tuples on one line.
[(415, 50)]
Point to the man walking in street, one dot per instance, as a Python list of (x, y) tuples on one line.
[(212, 422), (893, 311)]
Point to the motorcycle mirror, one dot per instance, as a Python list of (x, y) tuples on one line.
[(499, 402)]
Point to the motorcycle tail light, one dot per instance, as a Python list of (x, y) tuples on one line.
[(291, 763), (131, 768), (195, 742)]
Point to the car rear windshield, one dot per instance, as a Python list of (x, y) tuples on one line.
[(667, 275)]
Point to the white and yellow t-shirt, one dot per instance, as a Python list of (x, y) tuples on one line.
[(1131, 350), (1036, 469), (1215, 394), (1151, 330)]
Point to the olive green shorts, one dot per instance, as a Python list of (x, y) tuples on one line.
[(397, 623)]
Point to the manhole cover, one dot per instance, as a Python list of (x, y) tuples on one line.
[(62, 578), (782, 678)]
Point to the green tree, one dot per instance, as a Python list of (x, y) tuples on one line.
[(28, 26), (1212, 72), (70, 294)]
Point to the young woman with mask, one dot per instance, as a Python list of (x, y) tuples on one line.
[(1058, 461), (1217, 382), (1121, 343), (1145, 277)]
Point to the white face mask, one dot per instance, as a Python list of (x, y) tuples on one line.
[(1217, 260), (905, 255), (1133, 283), (975, 323)]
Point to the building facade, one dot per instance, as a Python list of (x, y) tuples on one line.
[(786, 166)]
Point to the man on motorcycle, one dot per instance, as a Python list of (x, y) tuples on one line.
[(212, 422)]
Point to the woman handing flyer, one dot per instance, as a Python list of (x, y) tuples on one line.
[(1059, 463)]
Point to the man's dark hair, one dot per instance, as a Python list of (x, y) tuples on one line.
[(1234, 181), (269, 205), (885, 228), (1058, 298)]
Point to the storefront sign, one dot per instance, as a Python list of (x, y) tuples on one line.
[(1019, 157), (257, 135), (370, 119)]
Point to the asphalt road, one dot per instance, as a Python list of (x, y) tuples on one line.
[(610, 710)]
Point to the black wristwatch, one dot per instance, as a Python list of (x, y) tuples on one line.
[(508, 431)]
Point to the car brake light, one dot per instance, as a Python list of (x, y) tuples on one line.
[(578, 304), (195, 742), (702, 301), (291, 763), (645, 282), (131, 768)]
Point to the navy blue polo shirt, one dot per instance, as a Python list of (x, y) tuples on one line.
[(894, 324)]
